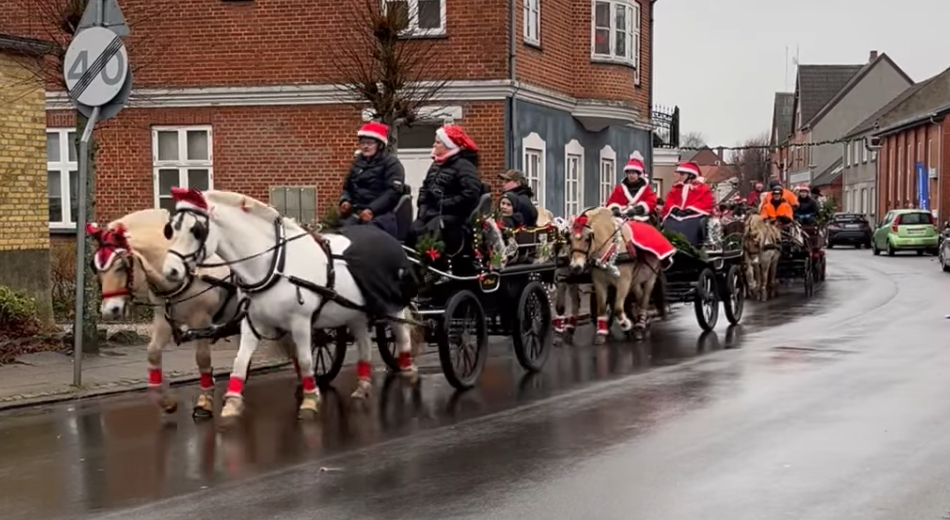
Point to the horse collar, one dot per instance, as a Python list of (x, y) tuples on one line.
[(278, 262)]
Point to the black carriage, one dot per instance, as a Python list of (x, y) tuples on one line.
[(802, 257), (707, 279)]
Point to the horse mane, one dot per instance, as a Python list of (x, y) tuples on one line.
[(758, 228), (248, 205)]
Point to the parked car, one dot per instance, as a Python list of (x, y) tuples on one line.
[(906, 230), (848, 228)]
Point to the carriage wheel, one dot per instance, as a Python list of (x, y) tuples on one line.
[(809, 277), (463, 340), (533, 332), (706, 301), (329, 351), (735, 294)]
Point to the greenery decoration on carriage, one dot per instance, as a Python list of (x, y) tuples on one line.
[(682, 245)]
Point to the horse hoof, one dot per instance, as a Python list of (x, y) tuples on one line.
[(229, 423), (626, 325), (307, 415), (600, 339), (362, 392), (410, 374), (309, 407), (569, 336)]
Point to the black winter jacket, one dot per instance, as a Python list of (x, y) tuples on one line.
[(807, 206), (374, 183), (451, 189), (524, 206)]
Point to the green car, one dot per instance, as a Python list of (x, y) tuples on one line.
[(906, 230)]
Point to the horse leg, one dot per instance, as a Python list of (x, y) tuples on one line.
[(364, 366), (403, 339), (204, 406), (571, 325), (559, 296), (300, 330), (600, 290), (623, 288), (233, 407), (161, 336)]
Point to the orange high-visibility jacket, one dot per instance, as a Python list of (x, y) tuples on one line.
[(770, 211)]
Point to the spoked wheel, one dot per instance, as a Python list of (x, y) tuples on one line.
[(533, 334), (809, 276), (706, 301), (329, 351), (463, 340), (735, 294), (386, 342)]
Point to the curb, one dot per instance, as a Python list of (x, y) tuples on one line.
[(72, 393)]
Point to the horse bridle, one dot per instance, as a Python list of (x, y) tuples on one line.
[(608, 255)]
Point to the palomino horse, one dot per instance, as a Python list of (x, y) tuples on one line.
[(596, 239), (293, 281), (762, 248), (128, 250)]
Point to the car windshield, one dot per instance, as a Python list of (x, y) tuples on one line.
[(850, 219), (910, 219)]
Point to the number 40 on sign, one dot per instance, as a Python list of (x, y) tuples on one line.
[(96, 66)]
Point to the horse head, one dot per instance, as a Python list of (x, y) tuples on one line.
[(190, 234), (114, 266), (593, 237)]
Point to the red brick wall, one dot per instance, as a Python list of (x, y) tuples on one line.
[(563, 64), (897, 182), (192, 43), (255, 148)]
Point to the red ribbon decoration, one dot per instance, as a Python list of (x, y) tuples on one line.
[(579, 224), (433, 254)]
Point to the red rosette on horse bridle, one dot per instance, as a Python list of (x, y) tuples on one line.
[(109, 244), (580, 224)]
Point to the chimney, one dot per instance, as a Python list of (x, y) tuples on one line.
[(872, 57)]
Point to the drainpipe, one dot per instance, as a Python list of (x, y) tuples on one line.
[(941, 214), (513, 77)]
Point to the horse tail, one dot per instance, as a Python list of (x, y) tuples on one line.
[(659, 295)]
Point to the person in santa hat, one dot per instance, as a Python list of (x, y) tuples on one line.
[(633, 196), (375, 183), (450, 191), (689, 205)]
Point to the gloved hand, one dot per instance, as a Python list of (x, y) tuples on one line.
[(635, 211), (615, 210)]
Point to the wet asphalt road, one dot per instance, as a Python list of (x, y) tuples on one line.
[(830, 408)]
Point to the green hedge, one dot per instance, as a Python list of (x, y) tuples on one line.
[(18, 314)]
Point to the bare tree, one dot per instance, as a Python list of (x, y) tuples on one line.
[(383, 68), (693, 140), (752, 161), (56, 22)]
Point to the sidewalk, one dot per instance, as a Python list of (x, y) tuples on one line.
[(47, 376)]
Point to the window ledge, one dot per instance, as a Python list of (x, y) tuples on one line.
[(62, 229), (607, 60), (532, 43), (425, 35)]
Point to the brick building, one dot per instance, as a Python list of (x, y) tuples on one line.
[(241, 96), (24, 238), (914, 134)]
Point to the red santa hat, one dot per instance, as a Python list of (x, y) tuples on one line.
[(453, 137), (635, 164), (802, 187), (689, 168), (374, 130), (189, 198)]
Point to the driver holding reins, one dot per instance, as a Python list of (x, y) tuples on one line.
[(633, 197)]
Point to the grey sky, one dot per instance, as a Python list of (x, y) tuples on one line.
[(722, 61)]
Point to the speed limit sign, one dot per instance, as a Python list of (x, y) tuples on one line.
[(96, 66)]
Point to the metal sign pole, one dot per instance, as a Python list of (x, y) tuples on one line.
[(81, 247)]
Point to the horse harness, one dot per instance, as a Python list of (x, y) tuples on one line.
[(609, 257), (327, 293)]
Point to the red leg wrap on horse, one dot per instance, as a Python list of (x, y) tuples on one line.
[(363, 369), (405, 360), (309, 384), (571, 322), (154, 377), (601, 325), (235, 386), (206, 381)]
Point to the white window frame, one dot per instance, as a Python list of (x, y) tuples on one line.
[(182, 164), (299, 218), (632, 29), (63, 166), (864, 151), (657, 185), (847, 162), (930, 154), (864, 201), (413, 30), (533, 145), (532, 7), (608, 172), (573, 151), (857, 152)]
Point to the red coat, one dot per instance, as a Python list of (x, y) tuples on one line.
[(694, 196), (623, 199)]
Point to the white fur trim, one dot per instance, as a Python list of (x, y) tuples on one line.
[(614, 205), (188, 205), (688, 169), (637, 155), (633, 199), (444, 138), (104, 266), (373, 135)]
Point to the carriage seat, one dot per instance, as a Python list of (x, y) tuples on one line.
[(482, 208), (403, 213)]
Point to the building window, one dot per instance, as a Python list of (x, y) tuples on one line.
[(657, 186), (573, 178), (423, 17), (181, 157), (864, 151), (864, 200), (608, 172), (533, 153), (873, 208), (298, 203), (616, 31), (847, 161), (857, 152), (532, 21), (62, 177)]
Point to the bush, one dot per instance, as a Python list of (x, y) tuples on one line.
[(18, 314), (63, 280)]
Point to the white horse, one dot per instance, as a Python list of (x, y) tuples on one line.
[(294, 282), (127, 253)]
